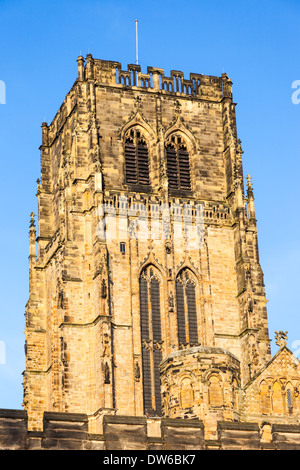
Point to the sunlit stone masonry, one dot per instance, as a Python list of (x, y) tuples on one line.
[(146, 323)]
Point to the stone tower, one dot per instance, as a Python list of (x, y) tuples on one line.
[(147, 250)]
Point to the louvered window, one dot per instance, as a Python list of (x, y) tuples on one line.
[(192, 314), (150, 318), (186, 310), (180, 312), (178, 164), (136, 158)]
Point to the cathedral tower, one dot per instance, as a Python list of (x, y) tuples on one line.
[(146, 246)]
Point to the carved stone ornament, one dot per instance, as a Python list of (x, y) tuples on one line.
[(32, 222), (106, 374), (137, 372), (168, 248), (103, 289), (281, 338)]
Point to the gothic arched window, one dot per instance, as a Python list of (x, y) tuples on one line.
[(277, 398), (136, 158), (265, 398), (215, 390), (178, 164), (186, 309), (151, 337), (186, 393), (235, 396)]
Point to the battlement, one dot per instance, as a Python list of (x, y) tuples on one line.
[(110, 73)]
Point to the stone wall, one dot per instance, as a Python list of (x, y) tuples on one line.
[(68, 431)]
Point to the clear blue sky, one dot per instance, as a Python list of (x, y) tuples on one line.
[(255, 42)]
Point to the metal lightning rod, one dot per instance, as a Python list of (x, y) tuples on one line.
[(136, 42)]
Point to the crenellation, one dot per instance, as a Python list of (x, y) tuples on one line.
[(111, 73)]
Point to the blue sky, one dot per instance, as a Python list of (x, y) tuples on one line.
[(255, 42)]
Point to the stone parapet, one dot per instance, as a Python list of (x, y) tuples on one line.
[(70, 431)]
